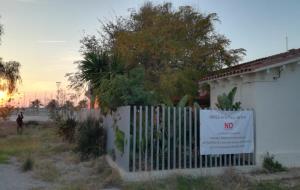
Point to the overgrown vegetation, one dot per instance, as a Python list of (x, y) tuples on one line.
[(9, 77), (90, 138), (155, 56), (271, 165), (66, 128), (119, 140), (31, 123), (226, 101), (28, 164), (5, 112), (55, 164)]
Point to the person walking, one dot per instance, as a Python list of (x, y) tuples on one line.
[(20, 123)]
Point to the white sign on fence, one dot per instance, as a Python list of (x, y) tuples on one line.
[(226, 132)]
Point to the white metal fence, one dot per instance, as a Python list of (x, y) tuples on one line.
[(166, 138), (160, 139)]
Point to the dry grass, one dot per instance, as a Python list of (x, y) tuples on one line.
[(54, 160), (46, 171), (57, 164)]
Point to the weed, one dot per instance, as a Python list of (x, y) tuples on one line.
[(28, 164), (66, 128), (47, 171), (271, 165), (90, 139), (269, 185)]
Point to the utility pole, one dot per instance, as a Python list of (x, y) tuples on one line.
[(287, 42), (58, 91)]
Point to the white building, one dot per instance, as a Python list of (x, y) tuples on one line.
[(271, 86)]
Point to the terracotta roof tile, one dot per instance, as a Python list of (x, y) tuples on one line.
[(253, 65)]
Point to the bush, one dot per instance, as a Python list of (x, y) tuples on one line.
[(119, 140), (31, 123), (28, 164), (90, 138), (66, 128), (271, 165), (226, 101)]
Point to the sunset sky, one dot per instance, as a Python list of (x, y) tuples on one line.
[(43, 35)]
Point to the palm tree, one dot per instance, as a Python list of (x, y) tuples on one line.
[(94, 67)]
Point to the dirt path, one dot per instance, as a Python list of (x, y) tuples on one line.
[(11, 178)]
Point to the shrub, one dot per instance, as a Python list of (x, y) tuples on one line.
[(5, 112), (66, 128), (119, 140), (31, 123), (271, 165), (226, 101), (90, 138), (27, 164)]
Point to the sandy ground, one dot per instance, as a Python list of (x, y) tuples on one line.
[(11, 178), (31, 118), (66, 169)]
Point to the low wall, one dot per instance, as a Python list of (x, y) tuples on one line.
[(147, 142)]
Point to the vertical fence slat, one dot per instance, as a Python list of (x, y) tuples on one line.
[(140, 137), (157, 138), (215, 161), (134, 138), (249, 159), (200, 159), (175, 149), (146, 137), (174, 138), (163, 138), (152, 126), (184, 139), (169, 134), (190, 137), (234, 160), (254, 134), (195, 137), (179, 138)]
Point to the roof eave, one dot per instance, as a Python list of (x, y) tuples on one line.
[(294, 60)]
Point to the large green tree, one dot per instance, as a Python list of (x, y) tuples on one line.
[(166, 39), (175, 48), (9, 76), (10, 72)]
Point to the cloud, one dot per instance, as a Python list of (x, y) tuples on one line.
[(51, 41)]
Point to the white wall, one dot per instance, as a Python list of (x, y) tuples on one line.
[(245, 90), (278, 117), (277, 110)]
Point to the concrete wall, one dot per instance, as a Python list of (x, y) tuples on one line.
[(245, 90), (278, 116), (121, 120), (277, 109)]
